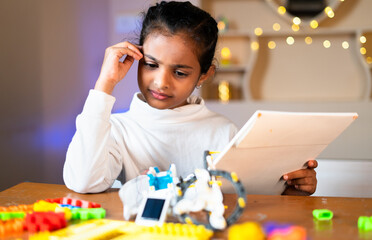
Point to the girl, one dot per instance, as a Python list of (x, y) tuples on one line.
[(164, 124)]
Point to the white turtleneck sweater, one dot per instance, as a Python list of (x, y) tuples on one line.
[(120, 146)]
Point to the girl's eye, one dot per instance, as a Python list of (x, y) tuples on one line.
[(180, 74), (150, 65)]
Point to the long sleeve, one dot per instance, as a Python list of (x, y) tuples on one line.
[(93, 160)]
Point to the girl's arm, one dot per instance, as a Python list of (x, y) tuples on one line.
[(93, 161)]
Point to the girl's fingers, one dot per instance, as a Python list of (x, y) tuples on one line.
[(312, 164), (302, 181), (127, 45), (306, 188)]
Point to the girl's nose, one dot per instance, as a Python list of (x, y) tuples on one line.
[(162, 80)]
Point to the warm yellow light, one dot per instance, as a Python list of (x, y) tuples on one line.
[(255, 46), (221, 25), (281, 10), (363, 39), (296, 20), (225, 53), (258, 31), (345, 44), (276, 27), (224, 91), (295, 27), (290, 40), (369, 60), (308, 40), (314, 24), (329, 11), (327, 44), (363, 50), (271, 44)]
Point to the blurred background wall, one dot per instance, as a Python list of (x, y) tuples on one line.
[(51, 52), (50, 56)]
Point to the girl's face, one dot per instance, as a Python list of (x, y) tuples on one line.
[(169, 71)]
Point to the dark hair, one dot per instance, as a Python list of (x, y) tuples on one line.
[(183, 17)]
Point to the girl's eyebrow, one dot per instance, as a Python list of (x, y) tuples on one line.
[(175, 65)]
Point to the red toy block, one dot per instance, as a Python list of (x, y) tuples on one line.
[(80, 203), (45, 221), (54, 200)]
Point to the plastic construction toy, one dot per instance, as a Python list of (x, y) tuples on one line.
[(18, 208), (247, 230), (161, 180), (74, 202), (207, 195), (322, 214), (88, 213), (276, 231), (150, 196), (11, 226), (44, 221), (5, 216), (365, 223), (123, 230)]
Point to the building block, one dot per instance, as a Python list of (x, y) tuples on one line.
[(88, 213), (44, 206), (45, 221), (5, 216), (18, 208), (365, 223), (322, 214), (54, 200), (248, 230), (276, 231), (68, 206), (80, 203), (11, 226), (123, 230)]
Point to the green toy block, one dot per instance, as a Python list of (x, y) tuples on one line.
[(365, 223), (88, 213), (4, 216), (322, 214)]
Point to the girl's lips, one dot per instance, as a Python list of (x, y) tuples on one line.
[(158, 95)]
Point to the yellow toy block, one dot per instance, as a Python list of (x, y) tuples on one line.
[(123, 230)]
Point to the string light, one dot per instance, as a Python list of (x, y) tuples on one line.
[(276, 27), (308, 40), (271, 44), (327, 44), (345, 44), (314, 24), (258, 31), (290, 40), (363, 50), (295, 27), (296, 20), (281, 10), (369, 60), (255, 46), (329, 11), (363, 39)]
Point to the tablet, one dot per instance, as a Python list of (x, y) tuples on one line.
[(274, 143)]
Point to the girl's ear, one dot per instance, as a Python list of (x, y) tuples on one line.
[(208, 75)]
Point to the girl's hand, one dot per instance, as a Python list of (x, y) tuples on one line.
[(113, 71), (303, 181)]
